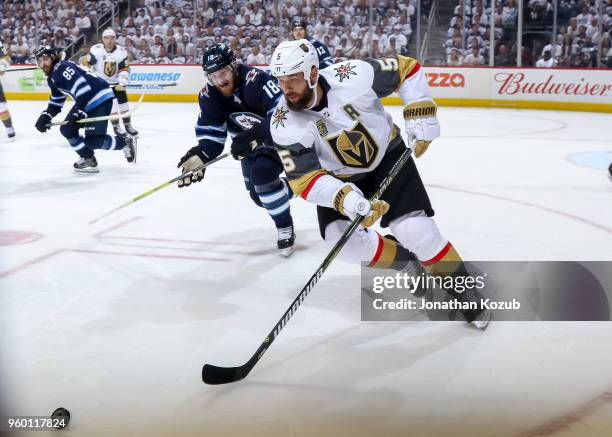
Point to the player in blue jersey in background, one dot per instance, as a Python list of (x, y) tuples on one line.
[(298, 30), (92, 98), (232, 87)]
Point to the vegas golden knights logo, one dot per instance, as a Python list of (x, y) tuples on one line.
[(110, 68), (354, 148)]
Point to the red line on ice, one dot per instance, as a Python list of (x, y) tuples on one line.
[(533, 205), (566, 420)]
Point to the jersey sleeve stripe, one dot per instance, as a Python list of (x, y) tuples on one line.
[(79, 81), (221, 128), (211, 138), (82, 90)]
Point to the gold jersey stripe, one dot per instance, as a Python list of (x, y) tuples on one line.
[(302, 183), (406, 65)]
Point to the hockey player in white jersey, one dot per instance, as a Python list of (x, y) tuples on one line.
[(5, 115), (110, 61), (338, 143)]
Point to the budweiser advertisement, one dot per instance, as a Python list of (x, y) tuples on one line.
[(526, 84)]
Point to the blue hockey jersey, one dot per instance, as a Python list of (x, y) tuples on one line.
[(325, 59), (68, 79), (257, 92)]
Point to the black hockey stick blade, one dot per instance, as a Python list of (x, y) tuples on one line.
[(215, 375)]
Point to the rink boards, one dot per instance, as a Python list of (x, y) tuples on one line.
[(506, 87)]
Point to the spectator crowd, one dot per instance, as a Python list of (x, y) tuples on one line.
[(576, 44), (172, 31), (24, 26)]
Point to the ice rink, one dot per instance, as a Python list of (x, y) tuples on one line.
[(115, 320)]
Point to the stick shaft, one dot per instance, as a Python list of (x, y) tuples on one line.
[(159, 187), (105, 117)]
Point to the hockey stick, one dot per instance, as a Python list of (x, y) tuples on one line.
[(151, 85), (105, 117), (10, 70), (21, 69), (160, 186), (245, 120), (223, 375)]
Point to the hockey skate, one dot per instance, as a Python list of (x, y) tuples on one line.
[(130, 129), (86, 165), (482, 320), (10, 131), (286, 239), (119, 131), (130, 149)]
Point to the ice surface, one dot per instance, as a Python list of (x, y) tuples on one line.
[(114, 321)]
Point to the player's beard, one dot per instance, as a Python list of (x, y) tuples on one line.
[(302, 102)]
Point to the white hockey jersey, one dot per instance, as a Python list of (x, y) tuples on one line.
[(352, 133), (107, 65)]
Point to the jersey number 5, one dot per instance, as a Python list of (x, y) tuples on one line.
[(388, 64), (288, 163)]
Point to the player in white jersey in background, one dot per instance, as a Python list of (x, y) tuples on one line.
[(110, 61), (5, 115), (338, 143)]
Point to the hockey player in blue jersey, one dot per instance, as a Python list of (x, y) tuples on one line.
[(232, 87), (92, 98), (298, 30)]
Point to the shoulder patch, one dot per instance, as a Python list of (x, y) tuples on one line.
[(250, 77), (344, 71), (279, 116), (204, 91)]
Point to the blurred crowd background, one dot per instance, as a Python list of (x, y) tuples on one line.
[(541, 33)]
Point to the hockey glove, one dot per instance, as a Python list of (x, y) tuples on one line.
[(194, 158), (75, 116), (43, 124), (350, 202), (244, 143), (422, 125)]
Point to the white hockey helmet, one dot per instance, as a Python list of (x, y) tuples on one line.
[(291, 57), (109, 32)]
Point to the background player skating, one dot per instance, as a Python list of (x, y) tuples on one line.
[(338, 143), (231, 88), (298, 31), (92, 98), (110, 62), (5, 115)]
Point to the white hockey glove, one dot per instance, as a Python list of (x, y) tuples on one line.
[(124, 79), (3, 66), (422, 125), (350, 202)]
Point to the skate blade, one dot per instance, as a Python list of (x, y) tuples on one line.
[(482, 323), (87, 170), (287, 252)]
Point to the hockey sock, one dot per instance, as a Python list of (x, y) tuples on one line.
[(274, 197), (448, 263), (106, 142), (6, 119), (78, 145), (273, 193)]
